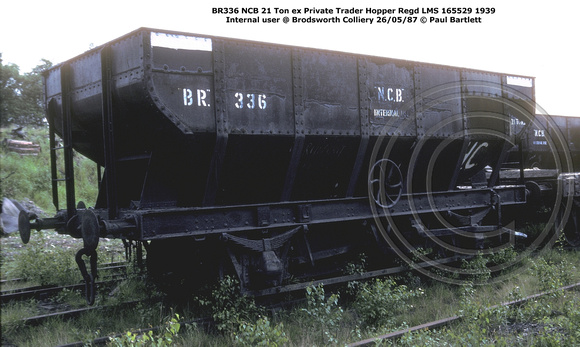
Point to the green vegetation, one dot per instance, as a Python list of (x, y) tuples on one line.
[(21, 95), (382, 305), (164, 338), (378, 306), (49, 258), (228, 308), (323, 313), (550, 320), (27, 178), (261, 334), (44, 265), (379, 301)]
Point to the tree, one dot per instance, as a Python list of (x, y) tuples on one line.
[(21, 96)]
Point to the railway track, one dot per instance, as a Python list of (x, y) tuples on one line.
[(42, 293), (450, 320), (112, 273), (207, 321), (103, 340), (39, 319), (75, 313), (11, 280)]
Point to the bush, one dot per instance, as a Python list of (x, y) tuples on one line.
[(552, 274), (323, 313), (379, 301), (261, 334), (476, 269), (166, 336), (229, 308), (46, 264)]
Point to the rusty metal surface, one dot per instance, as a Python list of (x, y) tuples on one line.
[(252, 122)]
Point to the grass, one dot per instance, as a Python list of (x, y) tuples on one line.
[(337, 319), (326, 321), (85, 328), (49, 258)]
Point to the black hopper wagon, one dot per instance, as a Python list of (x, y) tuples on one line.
[(552, 142), (549, 152), (279, 164)]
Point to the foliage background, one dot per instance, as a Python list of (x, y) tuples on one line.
[(27, 178), (21, 96)]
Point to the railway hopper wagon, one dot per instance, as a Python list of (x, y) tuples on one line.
[(553, 142), (550, 155), (274, 163)]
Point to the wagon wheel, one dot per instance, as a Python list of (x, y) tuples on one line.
[(385, 183)]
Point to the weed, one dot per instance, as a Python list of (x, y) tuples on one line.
[(132, 288), (13, 313), (477, 269), (166, 337), (262, 333), (479, 315), (323, 313), (423, 338), (552, 275), (46, 264), (229, 308), (358, 267), (379, 301), (507, 255)]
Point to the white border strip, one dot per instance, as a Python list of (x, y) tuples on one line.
[(520, 81), (181, 42)]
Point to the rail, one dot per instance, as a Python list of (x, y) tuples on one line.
[(449, 320)]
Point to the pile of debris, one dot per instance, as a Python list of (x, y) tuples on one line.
[(21, 147)]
